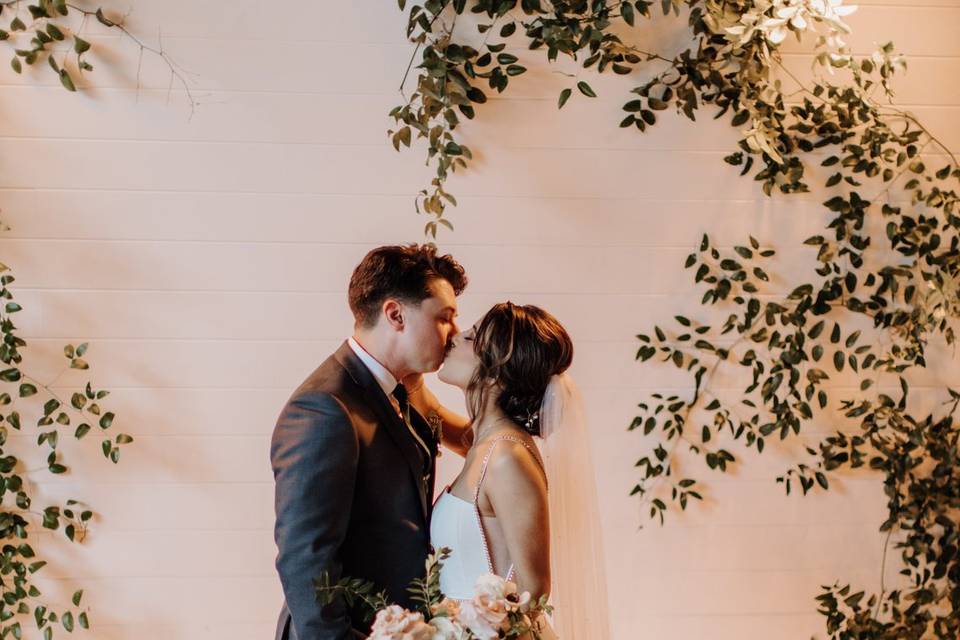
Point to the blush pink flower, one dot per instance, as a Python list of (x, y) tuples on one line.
[(447, 607), (483, 617)]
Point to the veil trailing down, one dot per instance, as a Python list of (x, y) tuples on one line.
[(577, 564)]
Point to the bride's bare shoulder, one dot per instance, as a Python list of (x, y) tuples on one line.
[(514, 464)]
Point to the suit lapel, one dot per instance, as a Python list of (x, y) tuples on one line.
[(388, 418)]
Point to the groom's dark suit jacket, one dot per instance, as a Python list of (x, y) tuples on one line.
[(353, 496)]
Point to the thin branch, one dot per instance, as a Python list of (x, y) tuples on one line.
[(883, 572), (163, 55)]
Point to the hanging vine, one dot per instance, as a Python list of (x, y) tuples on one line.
[(36, 32), (883, 290)]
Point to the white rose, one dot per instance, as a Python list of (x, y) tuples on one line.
[(483, 620), (447, 629), (396, 623), (491, 586)]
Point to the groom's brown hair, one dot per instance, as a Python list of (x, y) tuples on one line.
[(399, 272)]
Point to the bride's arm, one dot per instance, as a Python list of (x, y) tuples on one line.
[(455, 432), (517, 491)]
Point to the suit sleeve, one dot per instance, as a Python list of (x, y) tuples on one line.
[(314, 454)]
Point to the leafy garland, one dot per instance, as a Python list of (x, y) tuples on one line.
[(887, 273), (20, 598), (45, 24), (20, 561)]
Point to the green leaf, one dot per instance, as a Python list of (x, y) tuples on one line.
[(586, 89), (80, 45), (104, 20), (822, 480), (50, 406), (838, 360), (67, 81)]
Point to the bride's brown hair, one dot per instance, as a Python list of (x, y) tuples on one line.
[(520, 348)]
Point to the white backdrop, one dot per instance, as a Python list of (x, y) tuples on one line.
[(206, 260)]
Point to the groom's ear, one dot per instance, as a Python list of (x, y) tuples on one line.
[(393, 314)]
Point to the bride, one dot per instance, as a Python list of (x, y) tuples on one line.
[(511, 511)]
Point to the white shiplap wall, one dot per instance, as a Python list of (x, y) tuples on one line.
[(206, 259)]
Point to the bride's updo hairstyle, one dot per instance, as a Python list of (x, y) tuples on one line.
[(519, 348)]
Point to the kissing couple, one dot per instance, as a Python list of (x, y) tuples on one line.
[(354, 457)]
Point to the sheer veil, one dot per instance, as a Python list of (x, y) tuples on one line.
[(578, 575)]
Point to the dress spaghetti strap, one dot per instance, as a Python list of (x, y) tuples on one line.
[(476, 496)]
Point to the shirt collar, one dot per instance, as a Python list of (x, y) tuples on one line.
[(384, 378)]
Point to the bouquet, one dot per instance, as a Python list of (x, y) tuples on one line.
[(496, 610)]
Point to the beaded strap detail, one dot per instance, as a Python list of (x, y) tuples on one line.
[(476, 497)]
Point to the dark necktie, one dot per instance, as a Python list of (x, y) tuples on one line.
[(400, 393)]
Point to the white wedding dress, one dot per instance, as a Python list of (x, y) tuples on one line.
[(458, 525)]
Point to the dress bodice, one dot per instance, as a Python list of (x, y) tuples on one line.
[(457, 525), (454, 525)]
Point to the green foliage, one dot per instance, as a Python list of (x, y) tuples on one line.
[(36, 30), (46, 28), (361, 595), (19, 516), (884, 286), (354, 592)]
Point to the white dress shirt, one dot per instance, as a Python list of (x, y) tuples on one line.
[(387, 382)]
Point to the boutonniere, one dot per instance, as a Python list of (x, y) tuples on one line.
[(436, 428)]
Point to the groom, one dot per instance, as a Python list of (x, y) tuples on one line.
[(353, 462)]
